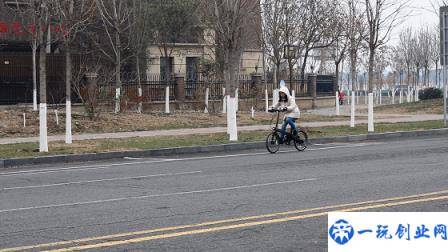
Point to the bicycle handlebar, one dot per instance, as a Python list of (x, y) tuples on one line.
[(272, 110)]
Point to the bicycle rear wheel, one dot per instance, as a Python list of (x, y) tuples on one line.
[(301, 140), (273, 142)]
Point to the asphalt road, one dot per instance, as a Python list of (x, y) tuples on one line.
[(251, 201)]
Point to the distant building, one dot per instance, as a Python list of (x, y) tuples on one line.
[(185, 57)]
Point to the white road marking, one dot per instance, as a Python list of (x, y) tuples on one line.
[(98, 181), (132, 158), (109, 166), (156, 195)]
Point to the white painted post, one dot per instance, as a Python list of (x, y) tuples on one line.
[(348, 97), (377, 97), (408, 95), (233, 131), (416, 94), (352, 111), (338, 112), (24, 120), (237, 100), (43, 137), (167, 100), (253, 112), (224, 101), (207, 91), (228, 112), (370, 117), (401, 96), (68, 122), (393, 96), (266, 97), (57, 117), (34, 100), (117, 96), (275, 97), (140, 102)]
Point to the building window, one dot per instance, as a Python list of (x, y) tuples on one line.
[(192, 68)]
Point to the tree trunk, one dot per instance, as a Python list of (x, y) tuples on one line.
[(139, 83), (43, 143), (118, 74), (371, 127), (277, 73), (353, 70), (337, 75), (371, 65), (68, 91), (291, 73), (34, 49), (305, 58), (231, 67), (437, 73)]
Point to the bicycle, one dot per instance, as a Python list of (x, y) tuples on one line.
[(299, 138)]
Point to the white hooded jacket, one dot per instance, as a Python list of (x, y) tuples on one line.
[(293, 109)]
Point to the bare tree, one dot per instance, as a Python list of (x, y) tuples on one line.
[(435, 52), (140, 36), (424, 45), (230, 20), (342, 42), (273, 35), (406, 47), (74, 19), (397, 63), (292, 14), (115, 18), (27, 12), (382, 16), (356, 28), (40, 11), (318, 26)]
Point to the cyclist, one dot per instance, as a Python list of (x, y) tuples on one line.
[(288, 104), (341, 97)]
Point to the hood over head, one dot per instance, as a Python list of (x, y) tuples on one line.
[(285, 90)]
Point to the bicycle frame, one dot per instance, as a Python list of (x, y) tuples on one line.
[(276, 128)]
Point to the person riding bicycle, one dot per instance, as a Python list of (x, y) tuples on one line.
[(288, 104)]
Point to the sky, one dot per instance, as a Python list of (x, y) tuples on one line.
[(421, 16)]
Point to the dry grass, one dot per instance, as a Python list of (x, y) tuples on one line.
[(422, 107), (11, 121)]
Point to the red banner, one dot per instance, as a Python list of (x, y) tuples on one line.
[(17, 29)]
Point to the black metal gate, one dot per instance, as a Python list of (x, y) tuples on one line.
[(16, 78)]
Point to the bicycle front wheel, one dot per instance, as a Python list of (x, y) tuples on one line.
[(301, 140), (273, 142)]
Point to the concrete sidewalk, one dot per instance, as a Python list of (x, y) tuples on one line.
[(183, 132)]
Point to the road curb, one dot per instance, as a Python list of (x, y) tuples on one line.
[(17, 162)]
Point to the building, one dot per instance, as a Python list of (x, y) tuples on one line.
[(186, 57)]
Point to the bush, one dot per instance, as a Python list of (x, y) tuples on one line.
[(430, 93)]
